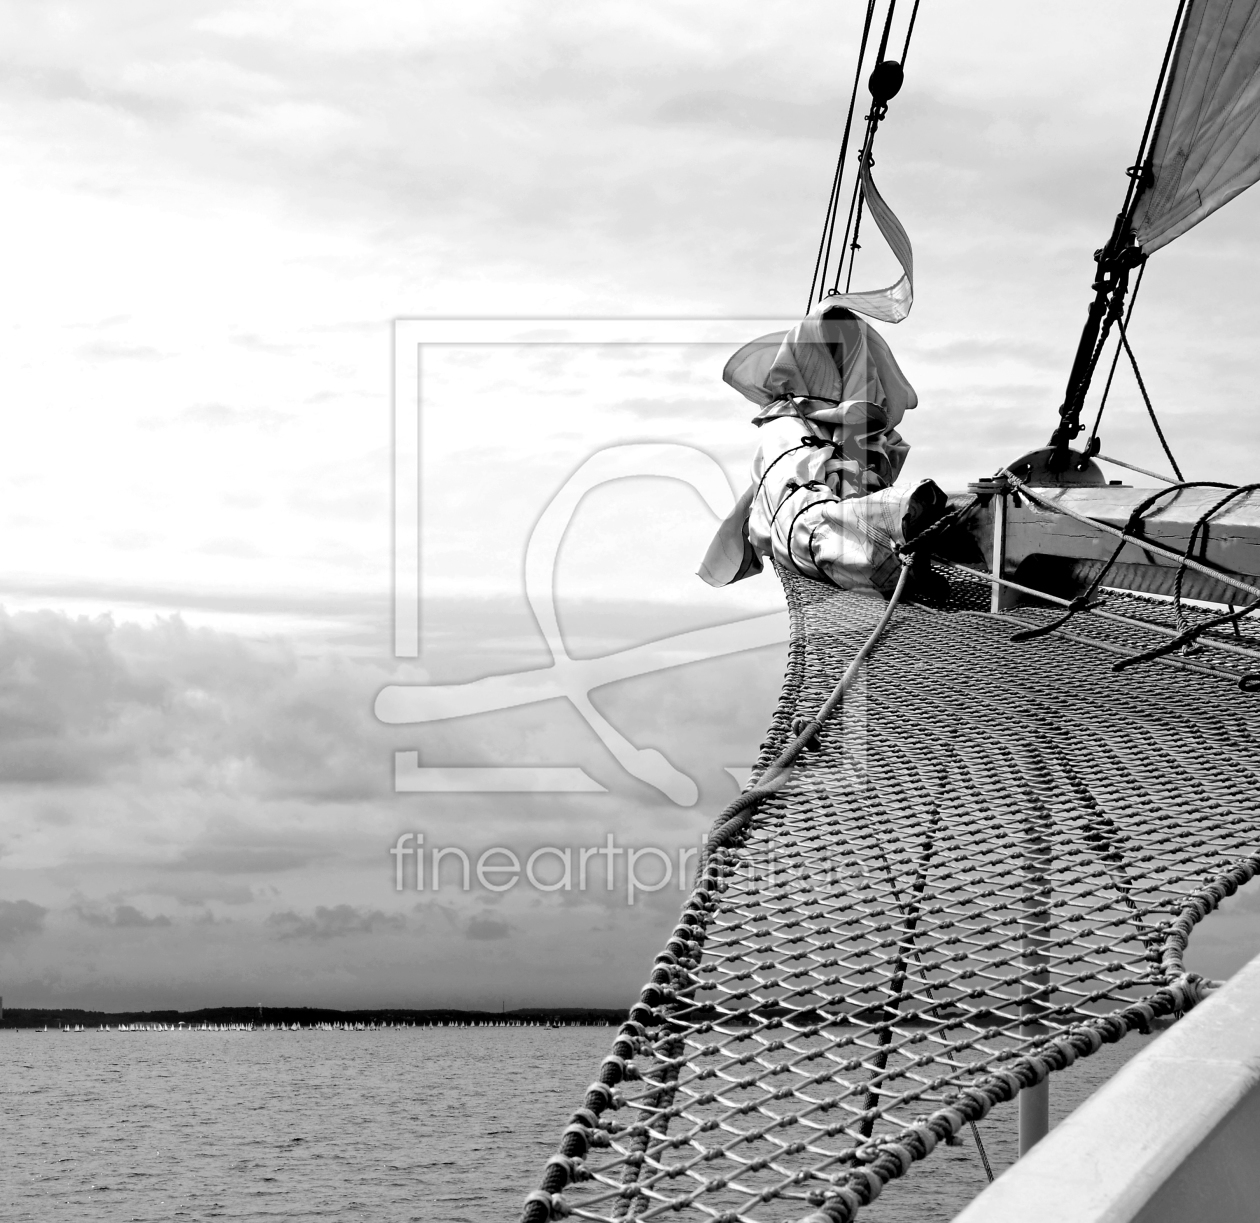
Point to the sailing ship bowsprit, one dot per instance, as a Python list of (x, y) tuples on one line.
[(1014, 760)]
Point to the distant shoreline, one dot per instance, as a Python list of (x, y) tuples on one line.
[(306, 1016)]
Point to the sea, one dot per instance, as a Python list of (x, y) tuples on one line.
[(417, 1125)]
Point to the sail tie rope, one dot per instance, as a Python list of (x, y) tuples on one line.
[(1189, 637)]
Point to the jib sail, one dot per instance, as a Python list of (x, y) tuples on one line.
[(1207, 143)]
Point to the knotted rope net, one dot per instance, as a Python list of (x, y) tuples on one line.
[(982, 864)]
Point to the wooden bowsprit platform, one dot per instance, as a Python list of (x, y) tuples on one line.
[(985, 864)]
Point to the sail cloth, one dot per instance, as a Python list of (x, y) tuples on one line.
[(838, 378), (892, 303), (1207, 149), (827, 358), (828, 516), (830, 396)]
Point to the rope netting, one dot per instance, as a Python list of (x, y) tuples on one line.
[(984, 864)]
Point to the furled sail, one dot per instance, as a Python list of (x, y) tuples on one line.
[(1207, 148)]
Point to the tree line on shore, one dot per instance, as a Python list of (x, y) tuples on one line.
[(306, 1016)]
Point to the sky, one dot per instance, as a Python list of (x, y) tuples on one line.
[(215, 217)]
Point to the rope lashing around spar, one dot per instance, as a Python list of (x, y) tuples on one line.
[(1201, 525), (924, 538)]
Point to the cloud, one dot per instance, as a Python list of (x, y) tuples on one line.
[(18, 917), (120, 917), (226, 848), (487, 928), (198, 892), (110, 350), (710, 407), (86, 700), (251, 193), (221, 415), (336, 921)]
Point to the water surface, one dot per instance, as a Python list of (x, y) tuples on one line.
[(436, 1125)]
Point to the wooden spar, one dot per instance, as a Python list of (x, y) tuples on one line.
[(1050, 551)]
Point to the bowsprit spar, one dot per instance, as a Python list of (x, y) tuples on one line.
[(1013, 764)]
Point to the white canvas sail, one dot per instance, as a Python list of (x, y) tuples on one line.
[(1207, 149)]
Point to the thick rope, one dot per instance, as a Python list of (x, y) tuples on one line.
[(1200, 531), (735, 818)]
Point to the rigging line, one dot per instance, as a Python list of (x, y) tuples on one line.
[(1102, 458), (980, 1146), (829, 222), (1188, 637), (1115, 357), (883, 42), (856, 246), (1146, 399), (905, 51), (1137, 170), (877, 113), (853, 205)]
